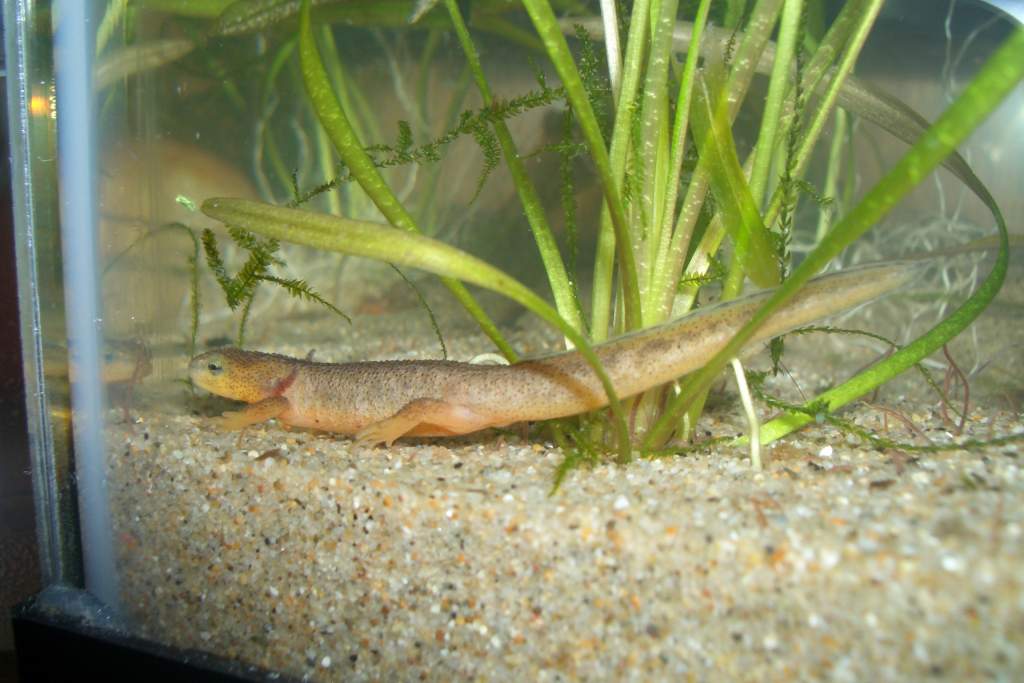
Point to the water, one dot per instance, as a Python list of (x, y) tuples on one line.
[(303, 554)]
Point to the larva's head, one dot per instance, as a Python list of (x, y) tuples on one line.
[(247, 376)]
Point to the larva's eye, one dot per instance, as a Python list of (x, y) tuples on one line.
[(215, 368)]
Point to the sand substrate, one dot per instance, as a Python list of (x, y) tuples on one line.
[(452, 560)]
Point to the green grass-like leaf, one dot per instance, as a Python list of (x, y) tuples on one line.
[(546, 24), (818, 411), (997, 77), (560, 281), (339, 129), (742, 218)]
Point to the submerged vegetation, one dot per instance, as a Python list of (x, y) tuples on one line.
[(648, 95)]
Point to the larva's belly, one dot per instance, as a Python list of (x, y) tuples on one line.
[(326, 420)]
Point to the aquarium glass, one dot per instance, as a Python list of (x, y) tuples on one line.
[(154, 140)]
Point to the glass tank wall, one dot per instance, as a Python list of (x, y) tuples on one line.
[(190, 175)]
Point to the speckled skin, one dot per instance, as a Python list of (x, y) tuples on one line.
[(384, 400)]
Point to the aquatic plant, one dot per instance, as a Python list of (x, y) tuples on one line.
[(682, 204)]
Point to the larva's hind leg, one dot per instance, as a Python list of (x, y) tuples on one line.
[(424, 417)]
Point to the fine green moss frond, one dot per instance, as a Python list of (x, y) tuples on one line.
[(216, 264), (635, 177), (574, 438), (776, 348), (714, 272), (264, 249), (595, 81), (193, 290), (404, 142), (567, 151), (470, 122), (244, 320), (789, 183), (473, 123), (491, 150), (243, 286), (300, 198), (823, 201), (293, 186), (240, 289), (300, 289)]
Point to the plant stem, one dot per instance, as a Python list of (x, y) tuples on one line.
[(748, 408)]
